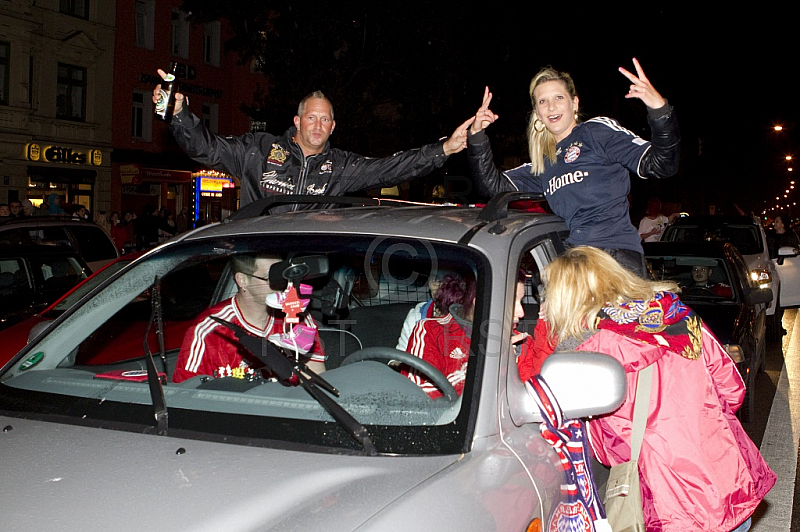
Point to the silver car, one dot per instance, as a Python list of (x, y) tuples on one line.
[(111, 442)]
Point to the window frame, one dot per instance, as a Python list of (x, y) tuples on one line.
[(144, 23), (5, 71), (141, 116), (71, 84)]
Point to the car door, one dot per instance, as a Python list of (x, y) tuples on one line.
[(788, 268)]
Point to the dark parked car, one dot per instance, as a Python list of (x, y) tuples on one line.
[(361, 448), (86, 238), (716, 283), (748, 235), (33, 277)]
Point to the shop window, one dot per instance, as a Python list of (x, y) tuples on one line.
[(180, 34), (5, 54), (76, 8), (144, 18), (141, 116), (71, 93), (211, 43)]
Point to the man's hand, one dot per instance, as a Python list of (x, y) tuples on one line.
[(178, 95), (458, 140)]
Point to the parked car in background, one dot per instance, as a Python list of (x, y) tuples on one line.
[(14, 338), (748, 235), (716, 283), (33, 277), (86, 238), (362, 448), (787, 263)]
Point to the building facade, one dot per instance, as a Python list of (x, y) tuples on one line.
[(147, 167), (56, 102), (76, 111)]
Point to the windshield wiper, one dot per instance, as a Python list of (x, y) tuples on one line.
[(290, 372), (153, 378)]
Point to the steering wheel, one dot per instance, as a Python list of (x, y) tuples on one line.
[(698, 290), (387, 354)]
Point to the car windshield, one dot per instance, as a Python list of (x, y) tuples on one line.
[(746, 237), (84, 288), (92, 365), (700, 278)]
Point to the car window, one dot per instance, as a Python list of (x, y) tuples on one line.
[(746, 237), (54, 236), (14, 278), (358, 306), (700, 278), (94, 243), (87, 287)]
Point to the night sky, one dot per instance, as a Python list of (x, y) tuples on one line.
[(730, 75)]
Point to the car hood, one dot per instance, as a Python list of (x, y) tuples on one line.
[(720, 318), (65, 477)]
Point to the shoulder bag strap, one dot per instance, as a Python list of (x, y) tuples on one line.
[(640, 410)]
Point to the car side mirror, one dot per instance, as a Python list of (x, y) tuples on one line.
[(585, 384), (758, 295), (787, 251)]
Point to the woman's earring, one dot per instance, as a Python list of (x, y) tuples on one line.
[(536, 125)]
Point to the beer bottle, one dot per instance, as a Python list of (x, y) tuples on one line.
[(165, 105)]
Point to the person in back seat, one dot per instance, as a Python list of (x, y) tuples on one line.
[(426, 309), (445, 341)]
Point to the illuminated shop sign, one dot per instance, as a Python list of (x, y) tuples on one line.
[(63, 154), (209, 187)]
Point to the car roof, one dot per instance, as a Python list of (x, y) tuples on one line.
[(448, 223), (715, 249), (37, 250), (48, 219), (715, 220)]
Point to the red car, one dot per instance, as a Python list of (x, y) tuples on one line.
[(119, 337)]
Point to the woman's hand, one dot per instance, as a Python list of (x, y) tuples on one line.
[(641, 87), (484, 117)]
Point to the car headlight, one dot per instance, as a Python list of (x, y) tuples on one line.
[(735, 352), (761, 276)]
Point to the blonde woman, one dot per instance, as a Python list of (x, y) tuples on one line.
[(583, 168), (698, 468)]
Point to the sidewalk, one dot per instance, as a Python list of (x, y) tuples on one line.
[(779, 445)]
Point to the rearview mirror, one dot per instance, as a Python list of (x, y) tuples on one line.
[(296, 269)]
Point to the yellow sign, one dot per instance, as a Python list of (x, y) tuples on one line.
[(34, 151), (212, 185), (62, 154)]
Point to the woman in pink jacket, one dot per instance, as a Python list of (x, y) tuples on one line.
[(698, 468)]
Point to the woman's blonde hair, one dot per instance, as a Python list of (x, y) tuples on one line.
[(581, 282), (542, 143)]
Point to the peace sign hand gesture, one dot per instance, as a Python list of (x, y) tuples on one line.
[(484, 117), (641, 87)]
